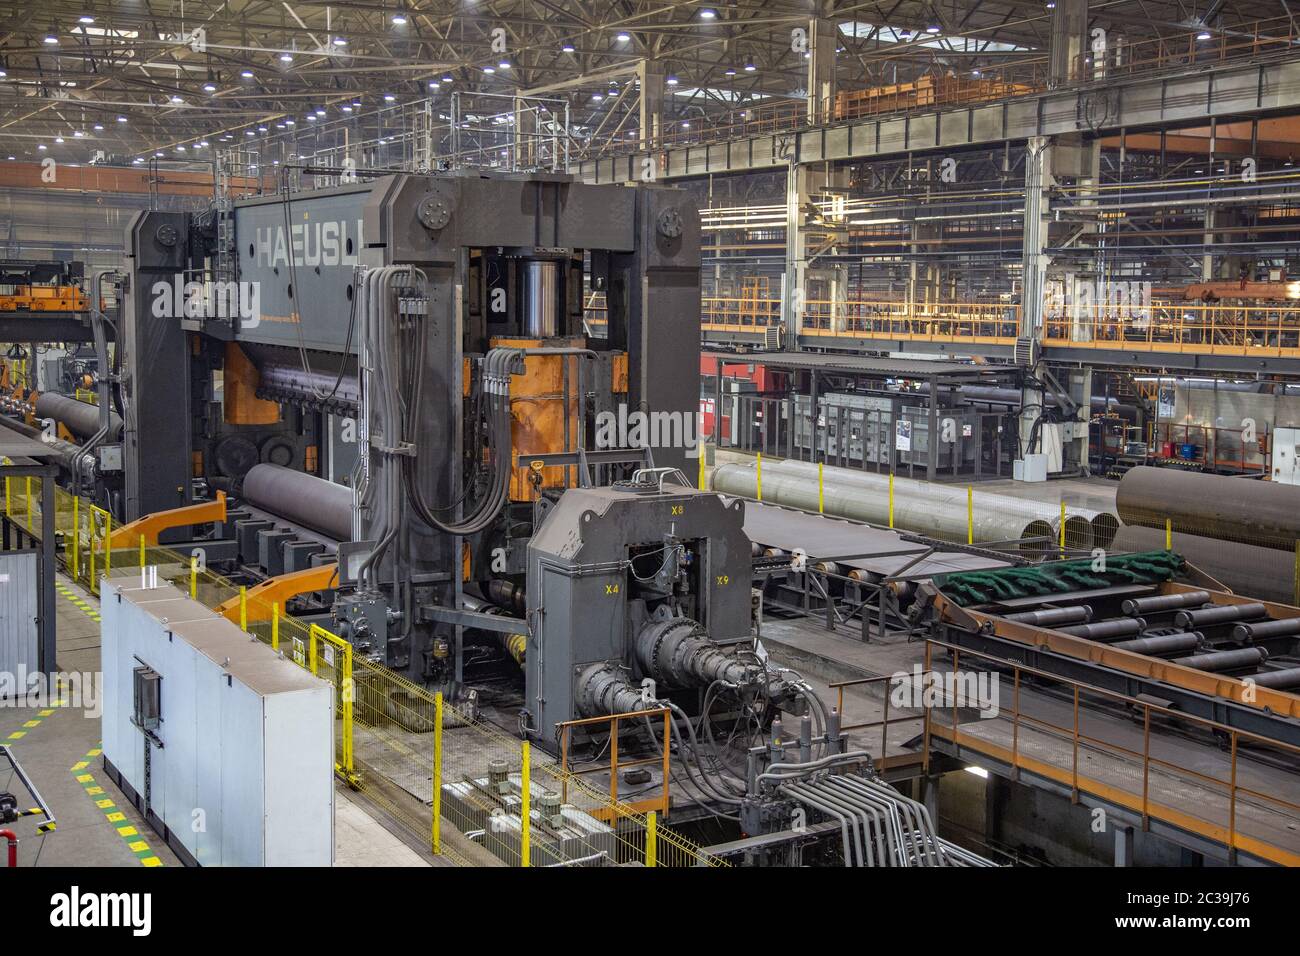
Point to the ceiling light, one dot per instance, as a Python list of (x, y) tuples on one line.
[(1203, 35), (177, 99), (568, 48), (180, 149), (58, 139), (671, 81), (504, 65), (210, 87), (434, 84), (78, 134), (286, 57), (41, 147), (261, 129), (340, 41), (446, 79), (708, 14), (159, 155), (347, 109), (596, 98), (121, 119), (932, 29), (489, 69), (623, 38), (249, 132), (750, 68), (389, 97), (686, 126), (137, 160), (3, 74), (99, 126), (731, 71), (399, 19), (356, 102), (51, 39), (290, 122), (86, 19), (320, 112), (311, 117), (247, 74)]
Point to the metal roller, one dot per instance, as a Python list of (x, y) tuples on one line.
[(1256, 630), (1161, 643), (1107, 630), (1235, 509), (80, 418), (1278, 679), (1165, 602), (1051, 617), (301, 498), (1218, 614), (1225, 660)]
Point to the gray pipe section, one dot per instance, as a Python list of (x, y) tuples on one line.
[(1284, 627), (1052, 617), (70, 457), (1165, 602), (1218, 614), (1225, 660), (924, 507), (301, 498), (1263, 513), (1278, 679), (1107, 630), (1161, 644), (80, 418)]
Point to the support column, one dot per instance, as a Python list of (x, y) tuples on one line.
[(1033, 257), (793, 295), (1123, 846), (823, 40), (650, 74), (1070, 41)]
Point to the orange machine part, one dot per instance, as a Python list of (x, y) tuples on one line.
[(539, 411), (619, 374), (242, 405)]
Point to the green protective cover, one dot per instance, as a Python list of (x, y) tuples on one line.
[(1059, 577)]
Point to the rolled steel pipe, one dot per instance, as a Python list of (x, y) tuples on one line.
[(69, 456), (1225, 660), (1161, 643), (1107, 630), (80, 418), (924, 507), (1243, 568), (1165, 602), (1256, 630), (1217, 614), (1265, 513), (1051, 617), (300, 498), (1279, 680)]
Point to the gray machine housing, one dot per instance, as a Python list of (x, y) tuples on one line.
[(587, 603)]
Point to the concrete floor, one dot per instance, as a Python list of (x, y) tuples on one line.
[(57, 747)]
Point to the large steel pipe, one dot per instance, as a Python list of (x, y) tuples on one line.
[(80, 418), (924, 507), (1265, 513), (301, 498), (1243, 568), (1160, 644), (1225, 660), (1218, 614), (1284, 627)]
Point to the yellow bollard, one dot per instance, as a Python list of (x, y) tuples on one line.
[(9, 504), (700, 482), (651, 838), (1062, 528), (1169, 534), (970, 515), (275, 626), (243, 611), (821, 488), (758, 479), (891, 499), (311, 651), (108, 547), (92, 556), (437, 773), (142, 551), (76, 531), (194, 578), (29, 505), (525, 810)]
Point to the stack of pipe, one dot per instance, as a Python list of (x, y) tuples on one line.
[(925, 507)]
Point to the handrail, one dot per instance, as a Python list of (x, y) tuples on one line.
[(1234, 735)]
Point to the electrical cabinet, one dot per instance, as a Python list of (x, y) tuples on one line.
[(224, 745)]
